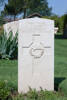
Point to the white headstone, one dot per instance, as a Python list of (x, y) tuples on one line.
[(11, 26), (36, 54)]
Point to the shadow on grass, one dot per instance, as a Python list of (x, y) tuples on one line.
[(60, 37), (57, 81)]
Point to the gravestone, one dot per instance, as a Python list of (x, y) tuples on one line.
[(36, 54), (12, 26)]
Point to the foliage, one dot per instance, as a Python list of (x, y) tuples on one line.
[(4, 91), (63, 87), (32, 94), (59, 22), (40, 95), (1, 30), (1, 21), (14, 7), (65, 19), (12, 87), (41, 7), (65, 24), (55, 18), (8, 46)]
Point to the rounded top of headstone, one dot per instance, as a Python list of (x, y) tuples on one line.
[(35, 17), (36, 20)]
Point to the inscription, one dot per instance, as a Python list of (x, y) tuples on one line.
[(36, 35)]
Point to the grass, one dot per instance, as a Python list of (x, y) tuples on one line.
[(61, 58), (61, 65), (42, 95), (9, 69)]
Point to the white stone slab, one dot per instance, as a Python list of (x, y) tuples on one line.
[(11, 26), (36, 54)]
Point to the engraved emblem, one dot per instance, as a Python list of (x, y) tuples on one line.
[(36, 46), (37, 53), (37, 49)]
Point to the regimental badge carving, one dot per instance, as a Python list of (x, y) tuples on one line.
[(37, 53), (37, 50), (36, 46)]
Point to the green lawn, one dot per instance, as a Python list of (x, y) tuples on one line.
[(61, 64), (61, 58), (9, 69)]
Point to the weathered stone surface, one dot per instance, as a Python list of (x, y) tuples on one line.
[(12, 26), (36, 54)]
